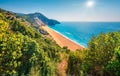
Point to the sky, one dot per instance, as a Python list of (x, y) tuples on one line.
[(68, 10)]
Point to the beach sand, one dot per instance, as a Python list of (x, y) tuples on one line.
[(61, 40)]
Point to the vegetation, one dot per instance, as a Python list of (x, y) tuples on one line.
[(26, 52), (100, 59), (44, 19)]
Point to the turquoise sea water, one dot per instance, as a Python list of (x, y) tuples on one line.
[(82, 32)]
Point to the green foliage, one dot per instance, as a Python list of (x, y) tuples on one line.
[(101, 51), (113, 66), (102, 47), (75, 63), (117, 53), (25, 30), (23, 51), (101, 58)]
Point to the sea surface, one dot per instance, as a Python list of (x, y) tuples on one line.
[(82, 32)]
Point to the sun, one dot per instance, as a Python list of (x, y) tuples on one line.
[(90, 4)]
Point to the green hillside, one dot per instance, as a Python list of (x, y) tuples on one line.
[(24, 51), (102, 58)]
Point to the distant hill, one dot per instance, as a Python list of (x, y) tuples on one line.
[(31, 18)]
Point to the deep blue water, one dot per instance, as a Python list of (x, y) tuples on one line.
[(82, 32)]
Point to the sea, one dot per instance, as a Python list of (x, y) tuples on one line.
[(82, 32)]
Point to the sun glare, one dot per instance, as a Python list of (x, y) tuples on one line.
[(90, 4)]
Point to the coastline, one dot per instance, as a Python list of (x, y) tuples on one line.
[(68, 38), (61, 40)]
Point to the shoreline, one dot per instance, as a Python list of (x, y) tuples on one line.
[(68, 38), (61, 40)]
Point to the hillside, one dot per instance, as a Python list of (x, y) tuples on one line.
[(32, 17), (24, 51)]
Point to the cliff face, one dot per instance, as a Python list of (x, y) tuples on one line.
[(38, 21), (32, 18)]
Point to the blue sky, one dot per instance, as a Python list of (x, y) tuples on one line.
[(68, 10)]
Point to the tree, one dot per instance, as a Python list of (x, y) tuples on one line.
[(113, 66), (101, 50)]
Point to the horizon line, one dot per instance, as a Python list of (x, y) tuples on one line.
[(88, 21)]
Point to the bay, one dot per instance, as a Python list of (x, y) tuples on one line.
[(82, 32)]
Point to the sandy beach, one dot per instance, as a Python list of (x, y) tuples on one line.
[(61, 40)]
